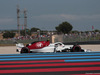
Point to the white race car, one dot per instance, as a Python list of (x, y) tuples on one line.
[(46, 46)]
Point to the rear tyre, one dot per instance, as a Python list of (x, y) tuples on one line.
[(25, 50)]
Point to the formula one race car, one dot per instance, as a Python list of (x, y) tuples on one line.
[(46, 46)]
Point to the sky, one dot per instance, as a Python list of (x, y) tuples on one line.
[(47, 14)]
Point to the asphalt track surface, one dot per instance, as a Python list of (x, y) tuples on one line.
[(72, 63)]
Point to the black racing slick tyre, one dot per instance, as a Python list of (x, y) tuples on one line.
[(25, 50), (76, 48)]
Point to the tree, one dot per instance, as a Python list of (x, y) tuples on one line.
[(97, 30), (75, 31), (8, 34), (34, 29), (64, 27), (22, 32)]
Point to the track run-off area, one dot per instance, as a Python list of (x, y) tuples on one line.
[(64, 63)]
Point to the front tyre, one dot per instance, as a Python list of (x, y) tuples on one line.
[(25, 50), (76, 48)]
